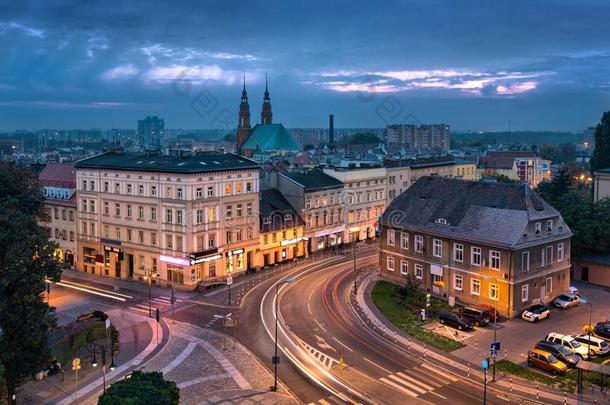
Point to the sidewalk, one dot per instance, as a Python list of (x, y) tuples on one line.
[(371, 316)]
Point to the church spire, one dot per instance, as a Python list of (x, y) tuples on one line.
[(266, 114), (243, 126), (244, 93)]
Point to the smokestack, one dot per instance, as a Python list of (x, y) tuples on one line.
[(331, 131)]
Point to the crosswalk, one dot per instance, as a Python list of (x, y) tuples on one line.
[(425, 382), (328, 401), (325, 360), (157, 302)]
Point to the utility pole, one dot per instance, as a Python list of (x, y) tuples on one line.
[(173, 301), (355, 275), (493, 372)]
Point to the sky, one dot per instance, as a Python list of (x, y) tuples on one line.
[(475, 65)]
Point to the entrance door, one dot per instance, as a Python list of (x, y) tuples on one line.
[(584, 273), (130, 262), (117, 265), (542, 292)]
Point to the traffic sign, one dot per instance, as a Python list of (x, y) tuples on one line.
[(495, 346), (485, 364), (494, 354), (75, 364), (229, 280)]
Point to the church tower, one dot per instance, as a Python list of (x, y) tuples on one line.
[(266, 115), (243, 127)]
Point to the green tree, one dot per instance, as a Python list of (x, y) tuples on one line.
[(26, 258), (601, 154), (552, 191), (411, 294), (142, 389), (364, 139)]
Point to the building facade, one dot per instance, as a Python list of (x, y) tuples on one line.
[(477, 243), (150, 133), (364, 199), (59, 190), (184, 218), (318, 198), (521, 166), (398, 180), (601, 184)]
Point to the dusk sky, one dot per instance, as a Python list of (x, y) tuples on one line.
[(543, 65)]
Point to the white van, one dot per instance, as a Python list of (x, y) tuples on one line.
[(598, 346), (569, 343)]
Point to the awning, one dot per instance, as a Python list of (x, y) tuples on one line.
[(325, 232)]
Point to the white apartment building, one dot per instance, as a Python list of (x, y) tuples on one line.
[(182, 218)]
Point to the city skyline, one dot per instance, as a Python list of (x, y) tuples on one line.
[(93, 67)]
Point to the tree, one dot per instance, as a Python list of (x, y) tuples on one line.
[(26, 259), (411, 294), (364, 139), (230, 137), (142, 389), (601, 154), (559, 186)]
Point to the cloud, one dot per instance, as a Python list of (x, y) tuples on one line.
[(195, 74), (29, 31), (95, 105), (120, 72)]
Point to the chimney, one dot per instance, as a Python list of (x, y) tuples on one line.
[(331, 131)]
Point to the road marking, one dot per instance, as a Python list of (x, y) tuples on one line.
[(180, 358), (324, 402), (323, 344), (91, 291), (377, 365), (309, 308), (338, 341), (407, 383), (319, 324), (398, 387), (446, 375), (409, 378)]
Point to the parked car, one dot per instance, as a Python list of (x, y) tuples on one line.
[(573, 290), (566, 301), (570, 343), (599, 347), (492, 311), (479, 317), (536, 313), (545, 361), (602, 330), (562, 354), (454, 320)]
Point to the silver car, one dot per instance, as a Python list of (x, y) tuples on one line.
[(566, 301)]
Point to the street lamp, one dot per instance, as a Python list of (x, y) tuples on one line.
[(94, 363), (276, 358), (149, 276), (495, 280), (353, 231)]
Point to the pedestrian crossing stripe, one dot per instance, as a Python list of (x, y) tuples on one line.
[(326, 361), (331, 400), (412, 386)]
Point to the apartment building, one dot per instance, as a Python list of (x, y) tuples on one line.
[(281, 229), (59, 190), (466, 170), (364, 199), (477, 243), (317, 197), (398, 180), (183, 218), (522, 166)]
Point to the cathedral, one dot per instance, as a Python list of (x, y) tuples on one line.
[(264, 136)]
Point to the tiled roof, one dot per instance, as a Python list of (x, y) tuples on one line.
[(194, 163), (497, 162), (314, 179), (270, 137), (58, 175), (274, 205), (491, 213)]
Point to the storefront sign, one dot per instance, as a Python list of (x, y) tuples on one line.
[(205, 259), (180, 261), (292, 241), (325, 232), (110, 241), (203, 253)]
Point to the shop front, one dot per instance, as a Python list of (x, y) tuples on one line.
[(205, 263), (327, 238)]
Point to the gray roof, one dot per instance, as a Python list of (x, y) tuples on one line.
[(194, 163), (490, 213), (314, 179), (275, 206)]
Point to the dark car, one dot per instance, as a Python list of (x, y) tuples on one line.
[(451, 319), (602, 330), (479, 317), (563, 354)]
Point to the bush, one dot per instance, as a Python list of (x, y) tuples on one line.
[(142, 389)]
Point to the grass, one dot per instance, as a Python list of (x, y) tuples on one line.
[(67, 348), (386, 299)]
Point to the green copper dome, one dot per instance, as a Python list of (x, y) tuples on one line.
[(269, 137)]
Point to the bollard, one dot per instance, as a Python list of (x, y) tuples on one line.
[(409, 344), (395, 338), (505, 354), (510, 384), (537, 392), (468, 370), (424, 351), (565, 398), (476, 344)]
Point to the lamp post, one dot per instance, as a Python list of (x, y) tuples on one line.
[(149, 276), (103, 354), (276, 358), (495, 280), (352, 232)]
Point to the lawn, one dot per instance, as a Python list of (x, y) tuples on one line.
[(65, 350), (386, 298)]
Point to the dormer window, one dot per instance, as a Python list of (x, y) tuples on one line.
[(537, 228), (549, 226), (441, 221)]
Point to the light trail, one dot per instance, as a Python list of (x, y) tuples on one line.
[(88, 290)]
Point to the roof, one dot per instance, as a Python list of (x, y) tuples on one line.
[(499, 162), (593, 258), (58, 175), (607, 170), (314, 180), (490, 213), (512, 154), (274, 205), (195, 163), (270, 137)]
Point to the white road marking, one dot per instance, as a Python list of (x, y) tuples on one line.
[(446, 375), (319, 324), (398, 387), (309, 308), (407, 384), (323, 344), (377, 365), (409, 378), (342, 344)]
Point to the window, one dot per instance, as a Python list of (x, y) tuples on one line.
[(248, 187), (494, 259), (560, 252), (549, 255), (199, 216), (437, 250), (153, 238), (525, 262), (549, 285), (106, 231), (238, 188), (390, 263), (129, 235), (475, 256), (537, 228), (549, 226), (543, 258), (228, 189), (211, 241), (71, 215), (249, 209), (419, 244), (84, 206), (404, 240), (238, 235), (140, 212), (141, 189), (179, 243), (129, 210), (179, 192), (199, 192), (230, 237), (91, 229), (475, 286), (71, 236), (458, 252), (494, 292), (308, 204), (458, 282), (128, 188), (524, 293), (211, 214), (153, 213), (141, 237), (117, 233), (419, 271), (168, 192), (169, 216), (404, 267), (91, 208), (238, 210), (229, 211), (106, 186), (179, 217), (391, 235), (117, 209), (84, 185), (117, 188), (153, 191), (169, 240), (210, 191), (250, 232)]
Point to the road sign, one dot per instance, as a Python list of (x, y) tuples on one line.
[(275, 359), (495, 346), (229, 280), (485, 364), (75, 364), (494, 354)]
